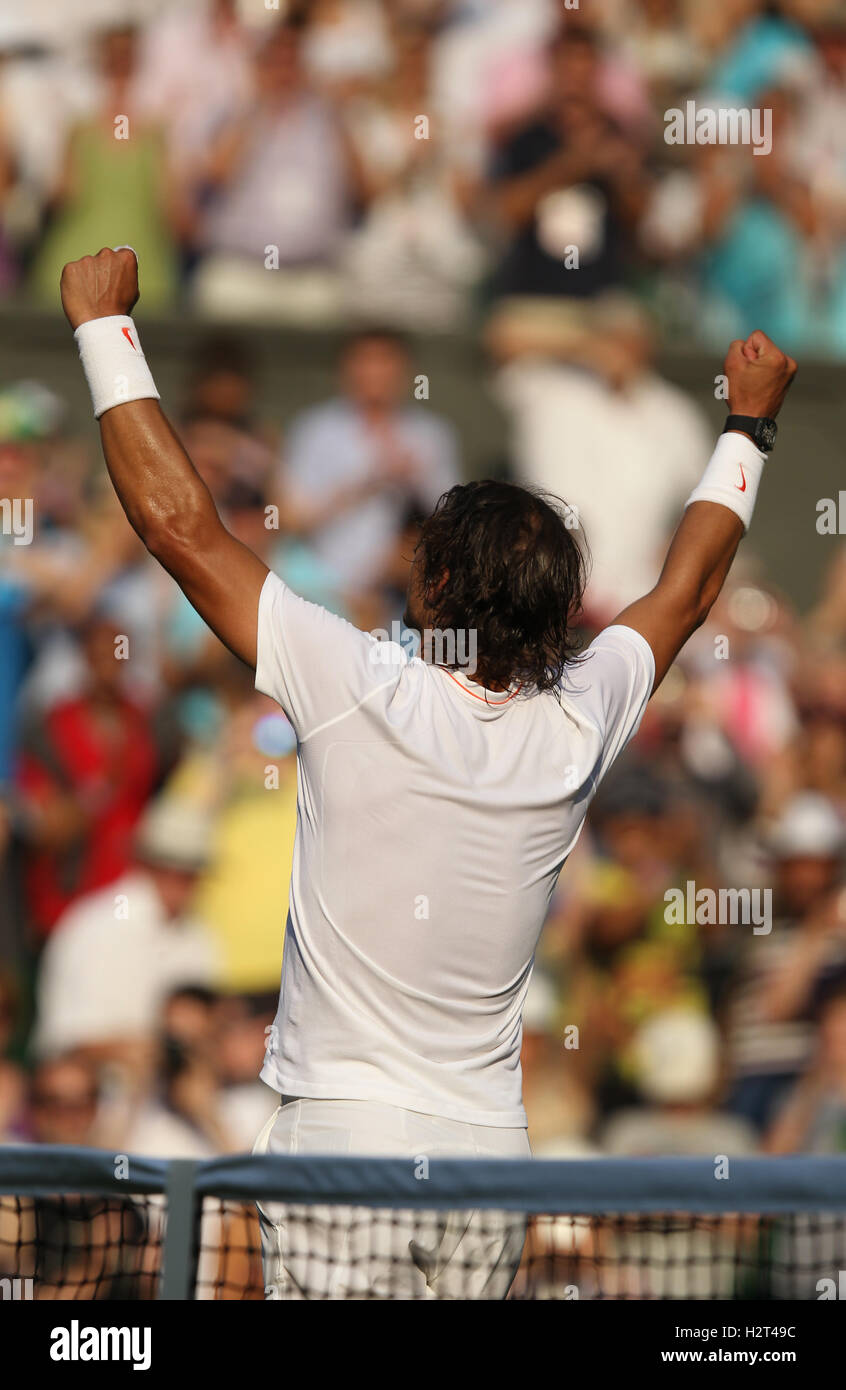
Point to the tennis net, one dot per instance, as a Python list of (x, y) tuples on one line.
[(81, 1224)]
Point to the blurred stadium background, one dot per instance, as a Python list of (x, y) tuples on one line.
[(346, 308)]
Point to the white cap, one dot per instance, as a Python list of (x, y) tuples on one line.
[(808, 825), (677, 1057), (174, 834)]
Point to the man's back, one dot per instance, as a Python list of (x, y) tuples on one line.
[(434, 817)]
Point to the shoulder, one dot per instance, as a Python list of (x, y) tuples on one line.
[(316, 665), (609, 686), (616, 646)]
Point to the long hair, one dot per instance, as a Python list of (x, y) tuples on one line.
[(501, 560)]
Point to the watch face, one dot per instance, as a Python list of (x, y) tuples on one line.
[(766, 432)]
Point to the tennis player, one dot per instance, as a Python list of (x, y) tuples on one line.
[(437, 804)]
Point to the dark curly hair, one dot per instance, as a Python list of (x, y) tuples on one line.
[(516, 575)]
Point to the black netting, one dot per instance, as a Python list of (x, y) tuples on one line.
[(80, 1247), (101, 1248)]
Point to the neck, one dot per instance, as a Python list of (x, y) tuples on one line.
[(479, 678)]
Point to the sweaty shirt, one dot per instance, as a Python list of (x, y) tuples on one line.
[(433, 819)]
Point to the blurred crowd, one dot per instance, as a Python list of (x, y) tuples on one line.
[(426, 161), (148, 794)]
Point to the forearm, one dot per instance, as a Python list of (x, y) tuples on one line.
[(165, 499), (163, 495), (172, 510), (699, 558), (719, 510), (697, 563)]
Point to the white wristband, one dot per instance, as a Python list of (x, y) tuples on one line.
[(732, 476), (114, 364)]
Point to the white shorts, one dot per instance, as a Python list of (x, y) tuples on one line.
[(341, 1252)]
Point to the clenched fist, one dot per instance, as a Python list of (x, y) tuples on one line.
[(96, 286), (759, 375)]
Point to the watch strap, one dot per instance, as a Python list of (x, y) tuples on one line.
[(749, 425)]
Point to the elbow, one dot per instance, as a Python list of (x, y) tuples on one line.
[(705, 599), (170, 535), (699, 613), (696, 602), (687, 612)]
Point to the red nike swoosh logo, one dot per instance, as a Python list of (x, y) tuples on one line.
[(128, 336), (740, 488)]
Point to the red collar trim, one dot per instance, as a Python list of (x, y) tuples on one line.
[(484, 698)]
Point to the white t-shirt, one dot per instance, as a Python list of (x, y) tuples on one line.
[(433, 819)]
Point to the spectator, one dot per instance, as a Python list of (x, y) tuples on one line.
[(63, 1103), (618, 960), (114, 187), (194, 70), (770, 1031), (414, 260), (812, 1120), (347, 42), (567, 187), (355, 464), (766, 46), (20, 470), (277, 194), (488, 64), (206, 1099), (180, 1116), (662, 47), (183, 1117), (117, 953), (741, 708), (8, 266), (222, 388), (814, 759), (245, 1102), (820, 137), (557, 1102), (85, 771), (12, 1080), (813, 1117), (678, 1072), (760, 226), (245, 776), (572, 426), (828, 619)]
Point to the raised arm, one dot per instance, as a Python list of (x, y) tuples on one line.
[(704, 545), (163, 495)]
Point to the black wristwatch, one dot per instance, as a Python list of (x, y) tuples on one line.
[(762, 430)]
